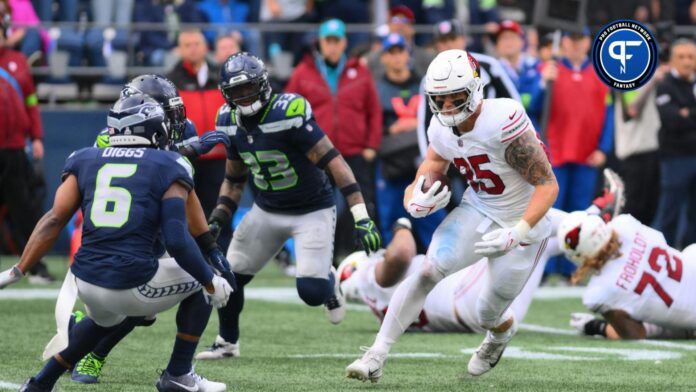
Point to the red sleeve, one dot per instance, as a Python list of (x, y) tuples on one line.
[(293, 85), (374, 115), (31, 102)]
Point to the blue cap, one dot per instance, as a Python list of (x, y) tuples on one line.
[(584, 32), (393, 40), (332, 28)]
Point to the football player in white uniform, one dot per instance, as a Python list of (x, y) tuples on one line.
[(502, 215), (641, 286), (449, 307)]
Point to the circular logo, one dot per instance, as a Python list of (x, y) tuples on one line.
[(624, 54)]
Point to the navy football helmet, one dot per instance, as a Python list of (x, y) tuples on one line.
[(244, 83), (165, 92), (138, 120)]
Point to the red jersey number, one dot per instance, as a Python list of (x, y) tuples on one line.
[(475, 175), (674, 272)]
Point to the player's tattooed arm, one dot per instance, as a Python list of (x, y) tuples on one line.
[(47, 230), (325, 156), (526, 155), (235, 178)]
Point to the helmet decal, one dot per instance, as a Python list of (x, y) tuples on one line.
[(572, 238)]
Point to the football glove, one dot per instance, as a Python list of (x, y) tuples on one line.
[(217, 220), (368, 235), (220, 293), (10, 276), (221, 265), (579, 320), (425, 203), (209, 140), (500, 241)]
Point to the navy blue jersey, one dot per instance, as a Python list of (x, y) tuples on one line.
[(189, 135), (273, 145), (121, 192)]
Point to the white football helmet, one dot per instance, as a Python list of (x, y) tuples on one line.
[(582, 235), (454, 71), (345, 271)]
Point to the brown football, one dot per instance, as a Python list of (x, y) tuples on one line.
[(432, 177)]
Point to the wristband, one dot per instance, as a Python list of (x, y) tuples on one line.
[(229, 203), (237, 179), (523, 228), (596, 327), (359, 212), (350, 189), (206, 242)]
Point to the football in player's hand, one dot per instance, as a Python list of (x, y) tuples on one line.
[(432, 177)]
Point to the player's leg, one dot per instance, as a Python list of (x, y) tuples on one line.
[(507, 275), (191, 320), (451, 250), (521, 303), (259, 236), (317, 283)]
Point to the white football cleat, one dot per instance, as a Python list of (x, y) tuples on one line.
[(219, 350), (336, 305), (369, 367), (489, 353), (187, 383)]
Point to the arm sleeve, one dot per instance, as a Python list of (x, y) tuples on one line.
[(179, 242), (374, 117)]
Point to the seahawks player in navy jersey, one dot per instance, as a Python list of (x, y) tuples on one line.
[(129, 193), (276, 137), (184, 139)]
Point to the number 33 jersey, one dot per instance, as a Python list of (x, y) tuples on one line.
[(650, 281), (121, 190), (496, 189), (273, 145)]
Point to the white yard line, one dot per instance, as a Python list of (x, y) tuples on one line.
[(9, 385)]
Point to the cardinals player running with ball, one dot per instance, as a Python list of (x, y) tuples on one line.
[(502, 215)]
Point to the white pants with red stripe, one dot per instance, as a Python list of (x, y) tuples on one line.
[(452, 249)]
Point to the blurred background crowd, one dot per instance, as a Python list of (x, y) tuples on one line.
[(360, 64)]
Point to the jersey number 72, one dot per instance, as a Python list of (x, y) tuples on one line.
[(674, 271)]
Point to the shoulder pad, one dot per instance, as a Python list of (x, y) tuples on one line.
[(286, 111), (225, 120), (515, 120)]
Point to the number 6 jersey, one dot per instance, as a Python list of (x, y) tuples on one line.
[(273, 144), (496, 189), (650, 281)]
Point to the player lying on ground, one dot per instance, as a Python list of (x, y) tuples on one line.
[(128, 195), (449, 307), (502, 216), (184, 140), (276, 137), (641, 286)]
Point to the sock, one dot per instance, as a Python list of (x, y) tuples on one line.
[(83, 337), (229, 315), (404, 307), (110, 341), (191, 320)]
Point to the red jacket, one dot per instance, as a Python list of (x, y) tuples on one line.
[(578, 111), (352, 119), (19, 111), (201, 103)]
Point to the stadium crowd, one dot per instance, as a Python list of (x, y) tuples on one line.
[(365, 90)]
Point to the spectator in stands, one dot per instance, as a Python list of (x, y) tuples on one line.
[(197, 80), (225, 46), (349, 11), (637, 124), (676, 104), (401, 20), (19, 120), (482, 12), (154, 45), (580, 131), (223, 14), (69, 39), (286, 11), (398, 153), (346, 105), (103, 39), (25, 34), (523, 70)]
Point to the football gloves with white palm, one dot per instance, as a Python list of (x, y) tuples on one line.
[(422, 203)]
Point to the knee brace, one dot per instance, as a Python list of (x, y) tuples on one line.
[(314, 291)]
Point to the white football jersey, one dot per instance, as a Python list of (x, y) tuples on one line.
[(650, 281), (495, 188)]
